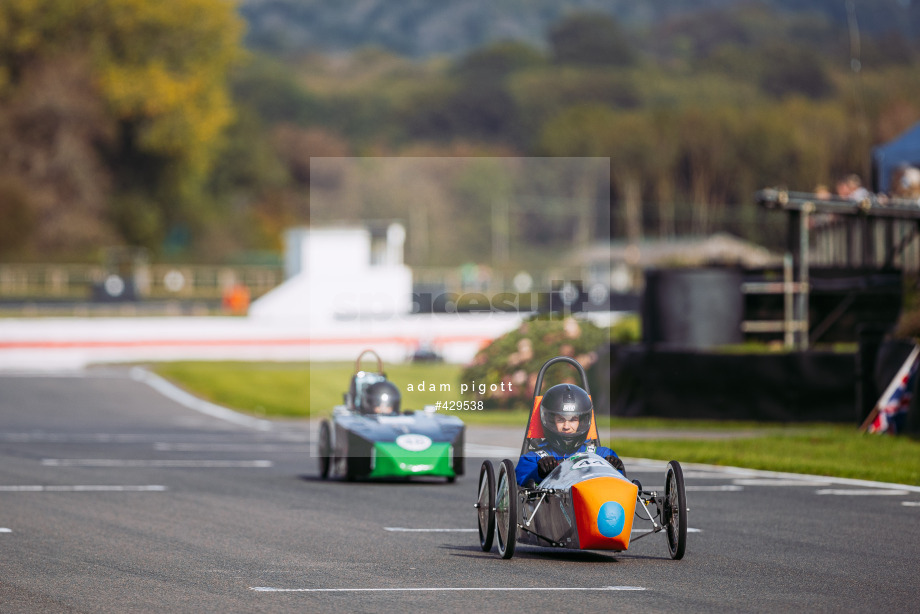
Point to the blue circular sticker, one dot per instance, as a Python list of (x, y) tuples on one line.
[(610, 519)]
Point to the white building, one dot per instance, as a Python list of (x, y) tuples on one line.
[(340, 273)]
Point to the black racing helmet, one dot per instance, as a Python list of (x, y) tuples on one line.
[(569, 401), (380, 398)]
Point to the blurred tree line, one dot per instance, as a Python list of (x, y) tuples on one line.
[(150, 124)]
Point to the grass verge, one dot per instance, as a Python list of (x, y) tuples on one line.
[(828, 449), (299, 390)]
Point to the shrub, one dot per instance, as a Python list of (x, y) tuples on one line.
[(511, 362)]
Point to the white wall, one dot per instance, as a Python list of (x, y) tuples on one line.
[(333, 277)]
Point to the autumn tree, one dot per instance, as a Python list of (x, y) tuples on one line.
[(147, 103)]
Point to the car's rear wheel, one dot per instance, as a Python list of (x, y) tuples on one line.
[(506, 510), (675, 510), (485, 505), (325, 450)]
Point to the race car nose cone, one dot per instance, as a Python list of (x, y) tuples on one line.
[(610, 519), (604, 508)]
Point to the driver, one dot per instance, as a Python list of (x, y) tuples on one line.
[(565, 413), (380, 398)]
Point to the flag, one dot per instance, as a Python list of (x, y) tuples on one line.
[(894, 404)]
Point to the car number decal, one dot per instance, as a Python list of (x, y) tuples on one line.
[(413, 442), (588, 462)]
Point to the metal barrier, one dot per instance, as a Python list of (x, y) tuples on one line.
[(36, 282)]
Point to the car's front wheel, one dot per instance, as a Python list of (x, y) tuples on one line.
[(325, 449)]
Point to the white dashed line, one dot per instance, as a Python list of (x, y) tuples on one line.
[(703, 475), (476, 450), (407, 530), (781, 482), (83, 488), (689, 530), (910, 503), (72, 438), (114, 462), (861, 492), (723, 487), (227, 447), (5, 530), (270, 589)]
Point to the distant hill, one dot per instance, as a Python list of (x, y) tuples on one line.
[(423, 28)]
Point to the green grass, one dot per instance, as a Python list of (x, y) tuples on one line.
[(266, 389), (829, 449), (299, 390)]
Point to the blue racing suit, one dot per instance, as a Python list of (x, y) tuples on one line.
[(526, 468)]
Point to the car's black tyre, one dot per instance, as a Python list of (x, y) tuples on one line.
[(325, 449), (459, 463), (485, 505), (675, 510), (351, 473), (506, 510)]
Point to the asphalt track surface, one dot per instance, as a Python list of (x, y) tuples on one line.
[(115, 498)]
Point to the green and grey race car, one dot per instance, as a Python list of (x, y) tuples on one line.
[(369, 436)]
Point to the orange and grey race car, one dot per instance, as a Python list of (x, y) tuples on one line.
[(584, 503)]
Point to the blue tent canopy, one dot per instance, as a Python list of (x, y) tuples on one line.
[(905, 149)]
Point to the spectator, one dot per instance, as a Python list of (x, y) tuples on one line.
[(822, 192), (851, 188), (906, 182)]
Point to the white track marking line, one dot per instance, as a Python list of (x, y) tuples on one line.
[(704, 475), (38, 373), (82, 488), (270, 589), (910, 503), (228, 447), (863, 492), (114, 462), (5, 530), (723, 487), (689, 530), (781, 482), (72, 438), (476, 450), (192, 402), (742, 472), (407, 530)]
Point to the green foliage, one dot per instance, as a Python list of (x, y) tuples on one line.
[(791, 70), (116, 109), (16, 217), (137, 219), (271, 91), (163, 68), (513, 360), (626, 330), (908, 325), (497, 61), (143, 106), (591, 38)]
